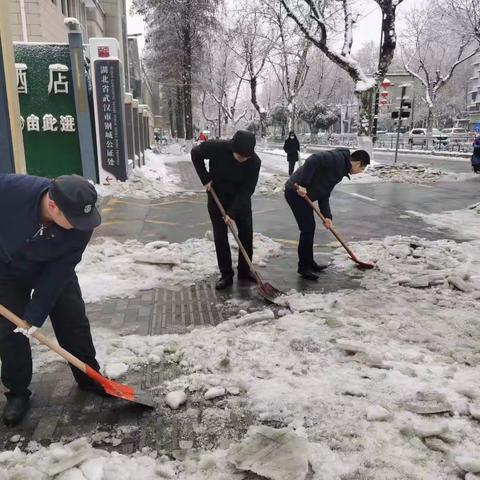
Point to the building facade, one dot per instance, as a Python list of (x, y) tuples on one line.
[(473, 100)]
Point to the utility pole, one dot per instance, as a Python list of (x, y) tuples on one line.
[(402, 98), (12, 154)]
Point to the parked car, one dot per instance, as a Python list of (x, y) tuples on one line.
[(457, 135), (418, 136)]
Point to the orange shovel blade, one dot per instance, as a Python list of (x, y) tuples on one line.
[(121, 391)]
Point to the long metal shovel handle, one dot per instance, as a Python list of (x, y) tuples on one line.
[(5, 312), (235, 234)]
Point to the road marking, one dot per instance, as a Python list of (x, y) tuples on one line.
[(424, 186), (370, 199)]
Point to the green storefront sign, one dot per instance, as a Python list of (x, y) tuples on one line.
[(47, 106)]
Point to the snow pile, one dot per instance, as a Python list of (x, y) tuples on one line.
[(78, 460), (406, 173), (153, 180), (269, 183), (381, 381), (113, 269), (464, 223), (418, 263)]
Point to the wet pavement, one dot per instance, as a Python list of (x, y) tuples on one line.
[(361, 211)]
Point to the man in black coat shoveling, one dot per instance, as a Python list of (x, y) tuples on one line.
[(316, 178), (233, 173), (44, 229)]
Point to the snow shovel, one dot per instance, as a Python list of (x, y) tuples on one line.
[(112, 388), (360, 264), (265, 289)]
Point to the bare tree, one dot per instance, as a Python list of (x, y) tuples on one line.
[(255, 46), (465, 14), (319, 20), (289, 55), (429, 58), (224, 77)]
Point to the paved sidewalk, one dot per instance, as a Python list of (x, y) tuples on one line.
[(60, 411)]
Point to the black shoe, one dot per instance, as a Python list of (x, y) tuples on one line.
[(307, 273), (247, 277), (318, 268), (15, 409), (224, 282)]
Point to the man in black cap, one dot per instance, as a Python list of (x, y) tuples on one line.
[(233, 173), (44, 229), (316, 178)]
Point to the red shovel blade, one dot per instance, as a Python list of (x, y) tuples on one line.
[(268, 291), (121, 391), (363, 265)]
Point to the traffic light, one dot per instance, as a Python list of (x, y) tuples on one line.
[(406, 109)]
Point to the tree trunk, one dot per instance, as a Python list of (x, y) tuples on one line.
[(179, 114), (171, 114), (365, 112), (187, 71), (261, 113)]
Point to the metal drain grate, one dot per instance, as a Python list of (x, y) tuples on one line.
[(177, 311)]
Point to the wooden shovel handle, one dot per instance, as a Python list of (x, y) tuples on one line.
[(5, 312), (234, 233), (322, 217)]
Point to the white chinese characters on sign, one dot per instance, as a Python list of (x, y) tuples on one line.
[(57, 81), (33, 123), (49, 123), (21, 70), (67, 123)]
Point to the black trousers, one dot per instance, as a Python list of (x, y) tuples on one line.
[(291, 167), (292, 160), (69, 322), (303, 214), (220, 235)]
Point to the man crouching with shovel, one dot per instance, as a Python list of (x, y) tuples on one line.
[(315, 180), (44, 229), (233, 174)]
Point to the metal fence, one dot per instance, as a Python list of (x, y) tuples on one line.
[(447, 143)]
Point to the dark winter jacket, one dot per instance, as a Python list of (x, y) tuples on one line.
[(476, 152), (320, 173), (230, 177), (42, 258), (292, 147)]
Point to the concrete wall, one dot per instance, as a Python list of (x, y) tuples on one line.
[(44, 19)]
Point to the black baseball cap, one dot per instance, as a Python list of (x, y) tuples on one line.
[(243, 143), (75, 196)]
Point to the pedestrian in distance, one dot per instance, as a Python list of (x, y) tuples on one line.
[(233, 173), (202, 137), (45, 228), (475, 160), (316, 178), (291, 147)]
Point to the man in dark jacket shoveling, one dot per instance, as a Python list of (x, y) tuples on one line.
[(233, 173), (44, 229), (317, 178)]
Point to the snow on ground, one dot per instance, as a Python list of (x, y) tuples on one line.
[(153, 180), (376, 172), (114, 269), (381, 381), (464, 223)]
